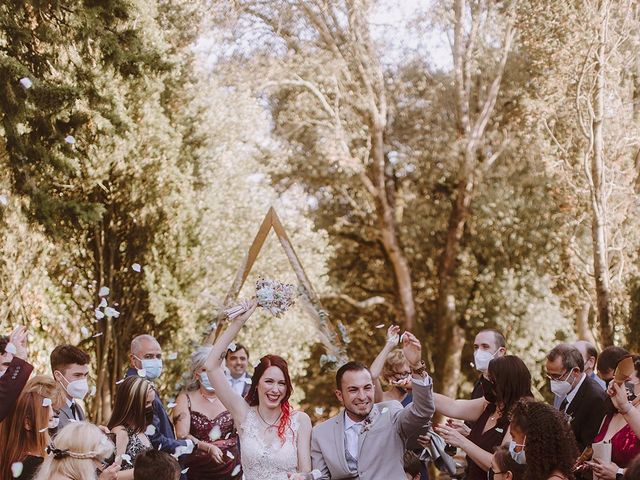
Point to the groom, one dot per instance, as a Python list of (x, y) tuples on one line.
[(367, 441)]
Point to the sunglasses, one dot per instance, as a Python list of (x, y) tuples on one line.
[(491, 474)]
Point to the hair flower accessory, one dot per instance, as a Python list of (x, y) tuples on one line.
[(56, 452)]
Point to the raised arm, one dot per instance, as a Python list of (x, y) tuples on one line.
[(467, 410), (631, 414), (378, 363), (229, 398)]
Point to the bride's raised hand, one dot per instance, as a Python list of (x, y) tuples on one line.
[(249, 306)]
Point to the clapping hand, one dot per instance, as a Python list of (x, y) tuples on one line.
[(18, 339), (451, 435), (412, 349), (459, 426), (393, 334)]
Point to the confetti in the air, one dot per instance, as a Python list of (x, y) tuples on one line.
[(103, 292), (99, 314), (84, 331), (103, 303), (380, 326), (172, 355), (26, 83), (232, 347), (185, 470), (236, 470), (46, 402), (70, 139), (171, 404), (319, 410), (230, 455), (119, 381), (97, 335), (142, 372), (151, 430), (111, 312), (92, 393), (126, 457), (4, 201), (136, 267), (215, 433), (16, 469)]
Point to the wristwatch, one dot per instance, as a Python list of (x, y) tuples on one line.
[(421, 369), (620, 474)]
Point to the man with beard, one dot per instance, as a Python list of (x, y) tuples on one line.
[(366, 440)]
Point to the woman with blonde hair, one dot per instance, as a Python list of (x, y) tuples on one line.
[(79, 450), (131, 417), (24, 433)]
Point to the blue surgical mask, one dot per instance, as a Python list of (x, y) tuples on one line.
[(518, 457), (206, 384), (152, 367)]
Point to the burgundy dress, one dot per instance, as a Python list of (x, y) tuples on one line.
[(201, 465), (624, 444), (487, 440)]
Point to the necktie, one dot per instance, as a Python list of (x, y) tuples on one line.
[(74, 411), (563, 405)]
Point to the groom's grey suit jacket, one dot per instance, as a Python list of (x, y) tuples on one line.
[(389, 431)]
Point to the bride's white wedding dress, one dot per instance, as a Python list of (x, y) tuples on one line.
[(267, 458)]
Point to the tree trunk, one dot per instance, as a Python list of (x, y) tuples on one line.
[(389, 232), (582, 323), (599, 209)]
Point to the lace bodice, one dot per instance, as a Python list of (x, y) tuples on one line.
[(264, 458)]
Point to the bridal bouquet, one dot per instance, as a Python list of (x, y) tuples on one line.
[(273, 296)]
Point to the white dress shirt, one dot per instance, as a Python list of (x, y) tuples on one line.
[(352, 433), (238, 383), (572, 394)]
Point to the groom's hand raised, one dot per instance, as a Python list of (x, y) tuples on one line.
[(412, 349)]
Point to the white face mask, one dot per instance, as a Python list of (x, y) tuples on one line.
[(518, 457), (77, 389), (481, 359), (54, 422), (152, 367), (561, 388)]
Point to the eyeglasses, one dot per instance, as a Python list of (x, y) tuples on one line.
[(399, 376), (559, 377), (491, 474)]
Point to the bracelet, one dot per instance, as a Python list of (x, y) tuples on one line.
[(630, 406)]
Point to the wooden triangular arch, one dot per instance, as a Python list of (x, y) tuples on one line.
[(308, 298)]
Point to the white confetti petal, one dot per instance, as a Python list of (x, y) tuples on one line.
[(247, 380), (256, 363), (103, 302), (126, 457), (316, 474), (171, 405), (236, 471), (10, 348), (111, 312), (226, 437), (172, 355), (319, 410), (380, 326), (103, 292), (185, 470), (230, 455), (151, 430), (42, 430), (99, 314), (232, 347), (26, 82), (215, 433), (85, 331), (119, 381), (4, 201), (46, 402), (160, 447), (142, 372), (16, 469), (70, 139), (136, 267), (384, 410), (97, 335), (93, 391)]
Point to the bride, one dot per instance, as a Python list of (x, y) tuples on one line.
[(275, 441)]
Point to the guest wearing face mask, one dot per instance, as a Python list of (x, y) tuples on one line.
[(504, 467), (70, 367), (542, 441), (145, 358), (199, 412), (581, 399), (131, 418), (487, 345)]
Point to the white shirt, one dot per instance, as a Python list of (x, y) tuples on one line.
[(351, 434), (572, 394), (238, 383), (72, 402)]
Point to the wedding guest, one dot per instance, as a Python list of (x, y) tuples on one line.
[(542, 441), (372, 437), (14, 369), (581, 399), (274, 438), (198, 412), (590, 356), (145, 356), (70, 367), (132, 415), (487, 345), (504, 467), (608, 360), (617, 427), (78, 452), (24, 433), (508, 380), (393, 368), (237, 361), (155, 465)]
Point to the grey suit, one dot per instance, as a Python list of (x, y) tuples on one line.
[(382, 443), (66, 415)]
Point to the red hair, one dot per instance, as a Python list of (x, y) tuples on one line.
[(252, 395)]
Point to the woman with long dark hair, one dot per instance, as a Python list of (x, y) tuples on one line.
[(508, 381), (275, 440), (542, 441)]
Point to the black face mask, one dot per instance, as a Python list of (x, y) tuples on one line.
[(489, 389), (148, 415)]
